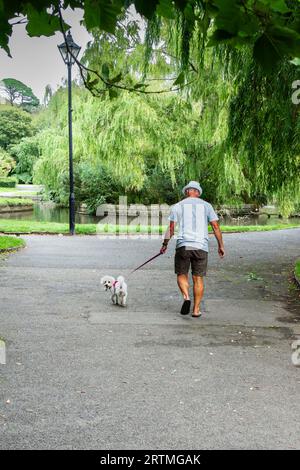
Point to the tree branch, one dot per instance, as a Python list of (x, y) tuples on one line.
[(107, 83)]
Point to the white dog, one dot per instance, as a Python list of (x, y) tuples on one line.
[(117, 288)]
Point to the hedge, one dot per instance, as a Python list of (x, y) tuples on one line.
[(8, 182)]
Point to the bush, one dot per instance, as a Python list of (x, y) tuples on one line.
[(26, 153), (8, 182), (7, 163), (92, 183), (14, 125), (15, 201), (94, 186)]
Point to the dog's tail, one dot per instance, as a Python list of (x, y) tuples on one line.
[(121, 279)]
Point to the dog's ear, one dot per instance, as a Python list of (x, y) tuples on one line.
[(102, 280)]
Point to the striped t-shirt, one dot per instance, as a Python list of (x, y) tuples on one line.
[(192, 215)]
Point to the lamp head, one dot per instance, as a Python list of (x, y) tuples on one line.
[(69, 50)]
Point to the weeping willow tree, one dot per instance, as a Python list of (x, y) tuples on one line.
[(263, 132), (229, 125), (247, 142), (131, 136)]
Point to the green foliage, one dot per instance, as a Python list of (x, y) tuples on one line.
[(14, 125), (25, 153), (235, 130), (95, 186), (15, 201), (266, 145), (102, 14), (7, 243), (7, 163), (40, 21), (20, 94), (272, 27), (8, 182), (124, 139), (297, 269)]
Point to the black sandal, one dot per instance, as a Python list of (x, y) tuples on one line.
[(185, 309)]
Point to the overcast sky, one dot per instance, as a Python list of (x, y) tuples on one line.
[(37, 61)]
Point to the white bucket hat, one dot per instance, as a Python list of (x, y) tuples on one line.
[(192, 185)]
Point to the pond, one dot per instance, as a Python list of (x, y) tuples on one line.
[(45, 212)]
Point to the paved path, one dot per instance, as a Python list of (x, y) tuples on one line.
[(82, 373)]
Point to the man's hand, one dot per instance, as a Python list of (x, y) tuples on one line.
[(163, 248), (221, 251), (218, 235)]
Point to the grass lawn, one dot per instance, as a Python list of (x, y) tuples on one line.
[(10, 242), (3, 189), (15, 201), (17, 193), (297, 269), (28, 226), (8, 190)]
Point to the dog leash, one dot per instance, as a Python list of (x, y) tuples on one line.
[(146, 262)]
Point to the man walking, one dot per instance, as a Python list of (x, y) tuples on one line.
[(192, 215)]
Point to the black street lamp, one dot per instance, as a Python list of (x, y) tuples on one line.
[(69, 52)]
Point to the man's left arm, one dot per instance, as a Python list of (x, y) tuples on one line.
[(218, 235), (213, 220)]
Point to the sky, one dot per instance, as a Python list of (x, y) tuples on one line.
[(37, 61)]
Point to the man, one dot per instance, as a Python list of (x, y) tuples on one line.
[(192, 215)]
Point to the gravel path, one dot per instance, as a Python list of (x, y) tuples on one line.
[(84, 374)]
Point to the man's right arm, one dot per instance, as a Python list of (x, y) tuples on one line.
[(218, 235), (168, 235)]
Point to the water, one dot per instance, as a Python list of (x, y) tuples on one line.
[(50, 213)]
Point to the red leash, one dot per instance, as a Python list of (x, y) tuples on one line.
[(146, 262)]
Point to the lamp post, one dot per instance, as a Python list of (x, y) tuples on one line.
[(69, 51)]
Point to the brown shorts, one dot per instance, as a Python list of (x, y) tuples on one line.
[(185, 256)]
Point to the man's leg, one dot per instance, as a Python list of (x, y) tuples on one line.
[(182, 265), (198, 293), (183, 284)]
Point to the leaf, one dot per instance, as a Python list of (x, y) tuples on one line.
[(102, 14), (296, 61), (105, 71), (286, 40), (265, 53), (113, 93), (41, 23), (179, 80), (5, 30), (146, 7), (181, 4), (140, 85), (166, 9), (228, 17), (93, 82), (276, 43), (276, 5), (219, 35), (116, 79)]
